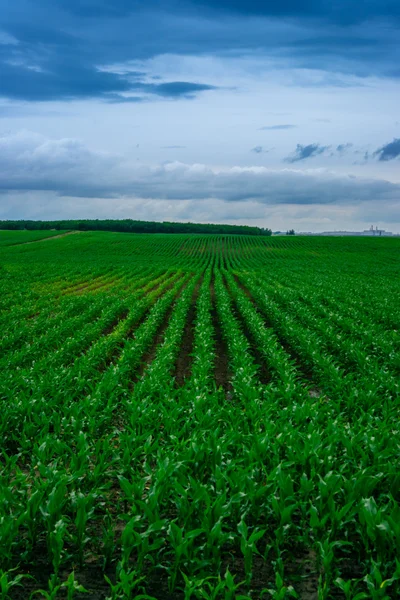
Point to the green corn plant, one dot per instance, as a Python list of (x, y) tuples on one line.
[(126, 585), (326, 559), (280, 591), (52, 508), (72, 586), (30, 516), (349, 589), (8, 581), (183, 548), (84, 507), (56, 546), (231, 587), (248, 546), (51, 593), (377, 585), (193, 586), (108, 544), (9, 531), (213, 588), (145, 542)]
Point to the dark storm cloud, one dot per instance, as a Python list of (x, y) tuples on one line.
[(389, 151), (304, 152), (340, 11), (42, 62), (69, 80), (57, 47), (278, 127)]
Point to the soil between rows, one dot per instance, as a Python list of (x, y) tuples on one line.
[(301, 571), (222, 372), (184, 361), (150, 355)]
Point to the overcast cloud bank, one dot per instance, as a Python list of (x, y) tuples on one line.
[(66, 167)]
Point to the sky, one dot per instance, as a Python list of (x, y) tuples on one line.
[(276, 114)]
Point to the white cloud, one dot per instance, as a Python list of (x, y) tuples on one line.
[(67, 166), (44, 178)]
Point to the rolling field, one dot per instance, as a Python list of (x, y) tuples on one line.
[(199, 417)]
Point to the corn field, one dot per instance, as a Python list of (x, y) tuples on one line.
[(199, 417)]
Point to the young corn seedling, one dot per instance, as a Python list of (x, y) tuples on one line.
[(145, 543), (349, 589), (9, 531), (126, 586), (8, 582), (377, 586), (108, 544), (51, 593), (193, 586), (184, 550), (52, 508), (326, 559), (280, 591), (56, 545), (208, 589), (84, 510), (248, 547), (73, 586)]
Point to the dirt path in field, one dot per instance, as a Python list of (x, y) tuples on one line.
[(184, 361), (222, 373), (46, 239)]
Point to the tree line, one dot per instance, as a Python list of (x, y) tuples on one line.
[(132, 226)]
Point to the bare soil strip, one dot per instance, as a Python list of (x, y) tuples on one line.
[(304, 574), (222, 372), (184, 361), (245, 291), (115, 322)]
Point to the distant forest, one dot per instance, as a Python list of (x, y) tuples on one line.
[(131, 226)]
